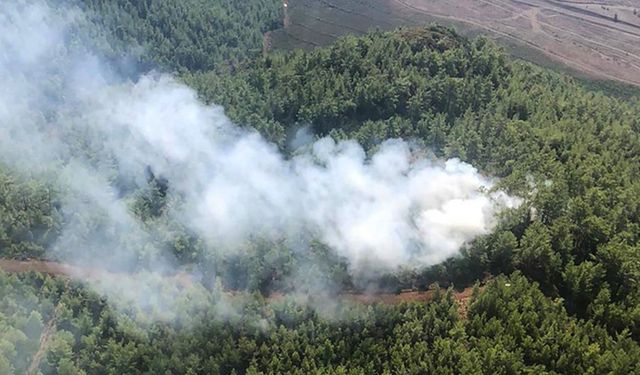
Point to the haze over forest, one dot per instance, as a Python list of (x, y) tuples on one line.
[(179, 196)]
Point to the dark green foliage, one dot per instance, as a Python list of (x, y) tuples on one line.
[(569, 306), (28, 217), (511, 328), (189, 35), (373, 87), (572, 153), (514, 313)]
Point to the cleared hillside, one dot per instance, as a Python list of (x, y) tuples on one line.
[(596, 40)]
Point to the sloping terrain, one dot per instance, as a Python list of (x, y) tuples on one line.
[(183, 279), (85, 274), (563, 298), (597, 39)]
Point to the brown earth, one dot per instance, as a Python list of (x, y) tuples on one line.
[(598, 40), (93, 274), (77, 273), (72, 272), (462, 298)]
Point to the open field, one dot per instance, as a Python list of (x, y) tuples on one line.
[(599, 40)]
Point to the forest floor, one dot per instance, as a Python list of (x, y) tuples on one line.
[(93, 274), (599, 40)]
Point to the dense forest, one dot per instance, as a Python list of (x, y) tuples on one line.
[(510, 328), (573, 152), (556, 281), (193, 35)]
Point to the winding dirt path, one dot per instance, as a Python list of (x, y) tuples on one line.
[(92, 274), (266, 43), (48, 332), (78, 273), (42, 349)]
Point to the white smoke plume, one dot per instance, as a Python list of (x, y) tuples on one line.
[(65, 116)]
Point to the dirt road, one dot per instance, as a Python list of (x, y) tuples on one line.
[(71, 272), (92, 274), (45, 337)]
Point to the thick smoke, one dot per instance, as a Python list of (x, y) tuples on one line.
[(67, 117)]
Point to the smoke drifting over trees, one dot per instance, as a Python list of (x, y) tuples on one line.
[(206, 246), (66, 117)]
